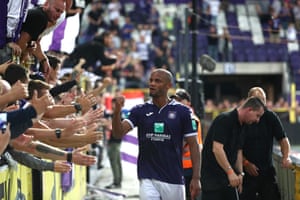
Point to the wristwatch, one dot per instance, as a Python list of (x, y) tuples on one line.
[(78, 108), (58, 132)]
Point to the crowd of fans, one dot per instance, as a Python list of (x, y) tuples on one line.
[(43, 117), (51, 119), (279, 20), (54, 117), (281, 106), (138, 39)]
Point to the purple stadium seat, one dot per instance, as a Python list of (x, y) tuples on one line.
[(294, 56), (251, 57), (202, 41), (283, 54), (231, 19), (261, 55), (239, 56), (273, 55), (248, 44), (238, 44), (294, 60)]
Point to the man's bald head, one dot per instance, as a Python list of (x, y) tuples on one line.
[(258, 92), (168, 77)]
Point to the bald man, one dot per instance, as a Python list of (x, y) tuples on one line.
[(162, 125), (37, 21), (260, 176)]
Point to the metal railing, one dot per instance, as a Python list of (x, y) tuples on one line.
[(288, 179)]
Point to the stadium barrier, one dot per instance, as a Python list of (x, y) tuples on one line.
[(288, 179), (17, 183)]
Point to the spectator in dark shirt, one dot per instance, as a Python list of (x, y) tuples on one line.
[(226, 46), (161, 59), (127, 29), (286, 14), (93, 52), (37, 20), (274, 28), (213, 40), (153, 17), (95, 21)]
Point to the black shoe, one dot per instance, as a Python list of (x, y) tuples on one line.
[(113, 186)]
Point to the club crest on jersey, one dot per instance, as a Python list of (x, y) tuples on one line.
[(172, 115)]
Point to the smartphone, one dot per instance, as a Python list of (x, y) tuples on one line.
[(3, 122)]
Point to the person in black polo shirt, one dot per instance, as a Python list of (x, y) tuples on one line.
[(221, 171), (260, 176)]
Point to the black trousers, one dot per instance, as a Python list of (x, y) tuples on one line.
[(226, 193), (262, 187)]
